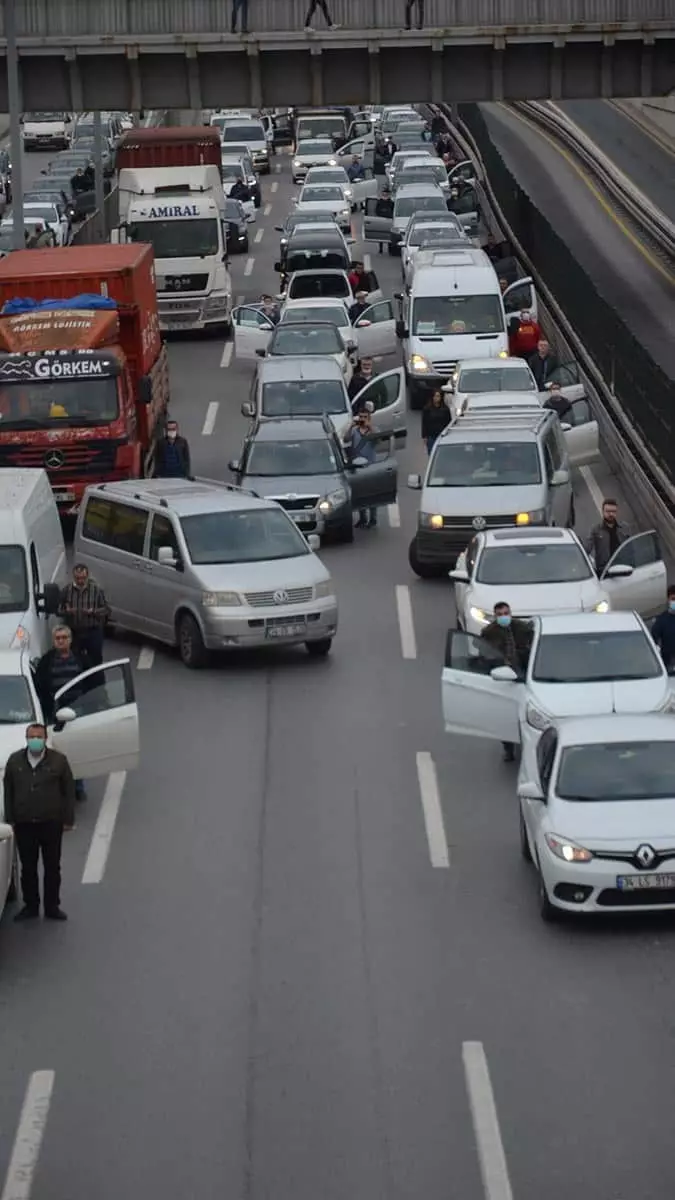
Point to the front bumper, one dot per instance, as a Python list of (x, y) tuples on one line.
[(193, 312), (594, 885), (250, 627)]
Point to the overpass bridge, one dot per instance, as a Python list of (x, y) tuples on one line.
[(131, 54)]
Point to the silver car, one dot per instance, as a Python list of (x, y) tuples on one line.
[(313, 152)]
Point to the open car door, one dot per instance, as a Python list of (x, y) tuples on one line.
[(475, 704), (462, 172), (377, 228), (104, 734), (581, 434), (644, 590), (387, 394), (252, 332), (365, 189), (375, 330), (521, 296), (374, 485), (569, 378)]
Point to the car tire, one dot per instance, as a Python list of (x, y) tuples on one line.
[(193, 652), (572, 516), (423, 570), (524, 840), (547, 911), (320, 648)]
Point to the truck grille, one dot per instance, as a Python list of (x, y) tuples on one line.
[(85, 458), (183, 283), (299, 595), (443, 367)]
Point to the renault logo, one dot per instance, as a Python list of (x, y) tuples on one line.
[(479, 522), (54, 459), (280, 597), (645, 856)]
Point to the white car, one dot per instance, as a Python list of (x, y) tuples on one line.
[(474, 376), (444, 233), (48, 215), (330, 282), (320, 309), (46, 131), (597, 814), (373, 335), (313, 152), (355, 190), (297, 339), (96, 728), (579, 664), (418, 168), (328, 198), (424, 150)]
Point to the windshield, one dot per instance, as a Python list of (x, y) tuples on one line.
[(530, 563), (16, 702), (303, 398), (309, 218), (232, 171), (496, 379), (247, 133), (319, 194), (332, 127), (292, 458), (50, 117), (596, 658), (320, 146), (179, 239), (419, 172), (336, 175), (308, 260), (337, 316), (439, 316), (58, 403), (617, 771), (405, 206), (317, 339), (40, 212), (250, 535), (13, 580), (432, 234), (479, 464), (305, 285)]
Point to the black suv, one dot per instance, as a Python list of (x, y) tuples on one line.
[(300, 462)]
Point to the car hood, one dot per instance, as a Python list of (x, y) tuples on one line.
[(44, 126), (331, 206), (529, 601), (292, 485), (302, 571), (482, 501), (598, 699), (620, 825), (314, 160)]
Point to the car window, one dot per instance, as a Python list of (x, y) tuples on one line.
[(495, 379), (617, 771), (337, 316), (303, 398), (434, 316), (318, 193), (530, 564), (109, 688), (316, 260), (16, 701), (595, 657), (318, 146), (317, 339), (13, 579), (480, 464), (162, 533), (639, 551), (113, 524), (309, 457), (464, 652), (246, 535), (305, 284)]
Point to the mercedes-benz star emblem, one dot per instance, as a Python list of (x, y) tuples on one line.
[(54, 459), (280, 597), (479, 522), (645, 856)]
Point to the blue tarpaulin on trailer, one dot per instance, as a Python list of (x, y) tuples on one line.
[(86, 300)]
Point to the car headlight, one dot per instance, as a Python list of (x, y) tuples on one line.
[(419, 363), (332, 162), (345, 213), (567, 850), (503, 354), (321, 590), (297, 162), (537, 517), (220, 599), (536, 718), (348, 193), (602, 606), (431, 520), (477, 614), (332, 500)]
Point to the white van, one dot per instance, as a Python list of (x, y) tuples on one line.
[(32, 560), (453, 310), (250, 131)]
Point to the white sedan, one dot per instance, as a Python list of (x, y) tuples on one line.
[(297, 339), (328, 198), (597, 815), (49, 216), (355, 191), (96, 728), (472, 377)]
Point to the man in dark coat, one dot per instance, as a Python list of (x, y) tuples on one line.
[(513, 639), (172, 460)]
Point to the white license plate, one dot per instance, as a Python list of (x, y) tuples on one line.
[(64, 497), (637, 883), (287, 631)]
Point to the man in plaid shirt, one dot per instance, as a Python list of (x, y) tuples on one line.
[(85, 610)]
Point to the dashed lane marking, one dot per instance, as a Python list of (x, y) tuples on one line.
[(394, 512), (29, 1135), (94, 868), (146, 655), (228, 351), (248, 269), (432, 811), (260, 233), (405, 621), (277, 168), (267, 210), (367, 263), (491, 1156), (274, 187)]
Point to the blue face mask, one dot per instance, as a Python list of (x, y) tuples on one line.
[(35, 744), (504, 620), (671, 606)]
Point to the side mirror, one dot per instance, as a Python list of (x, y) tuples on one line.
[(234, 465), (560, 477), (6, 832), (314, 541), (459, 575), (565, 426), (278, 229), (618, 571), (415, 482), (64, 716), (247, 409), (398, 295), (278, 268), (49, 599), (166, 556), (530, 791), (504, 675), (145, 389), (351, 347)]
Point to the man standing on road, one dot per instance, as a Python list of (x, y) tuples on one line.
[(605, 538), (361, 378), (543, 363), (54, 670), (513, 639), (40, 805), (85, 610), (360, 443), (172, 460), (663, 631)]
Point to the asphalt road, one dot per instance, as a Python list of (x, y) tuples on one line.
[(270, 992)]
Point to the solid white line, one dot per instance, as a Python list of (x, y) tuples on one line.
[(367, 263), (26, 1149), (431, 808), (593, 487), (209, 421), (260, 233), (491, 1156), (267, 210), (394, 513), (228, 351), (274, 187), (146, 658), (405, 621), (248, 269), (94, 868)]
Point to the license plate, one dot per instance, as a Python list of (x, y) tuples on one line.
[(64, 497), (636, 883), (287, 631)]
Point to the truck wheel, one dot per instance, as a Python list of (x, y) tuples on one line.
[(319, 649), (193, 652), (422, 569)]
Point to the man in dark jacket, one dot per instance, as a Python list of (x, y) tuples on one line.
[(543, 363), (362, 376), (172, 460), (54, 670), (359, 306), (40, 805), (663, 631), (85, 611), (513, 639), (605, 538)]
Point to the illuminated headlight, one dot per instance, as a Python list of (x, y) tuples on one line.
[(297, 162), (220, 599), (568, 851), (333, 500), (479, 616), (332, 162), (431, 520), (345, 213), (537, 517), (536, 719), (602, 607), (419, 363), (503, 354), (321, 590), (348, 193)]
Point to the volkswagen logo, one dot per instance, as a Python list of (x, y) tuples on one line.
[(479, 522), (645, 856), (280, 597), (54, 459)]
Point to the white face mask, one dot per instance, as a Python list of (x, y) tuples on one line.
[(171, 434)]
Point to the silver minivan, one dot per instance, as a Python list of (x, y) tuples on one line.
[(205, 566)]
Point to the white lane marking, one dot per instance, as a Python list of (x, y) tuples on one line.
[(405, 621), (260, 233), (367, 263), (274, 187), (593, 487), (29, 1134), (277, 168), (101, 839), (228, 351), (491, 1156), (210, 419), (248, 269), (146, 657), (267, 210), (431, 808), (393, 510)]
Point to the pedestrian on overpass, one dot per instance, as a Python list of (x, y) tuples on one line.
[(239, 9), (323, 5), (409, 6)]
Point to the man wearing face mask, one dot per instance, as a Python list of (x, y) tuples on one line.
[(172, 460), (360, 443), (605, 538), (663, 631), (513, 639), (40, 805)]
